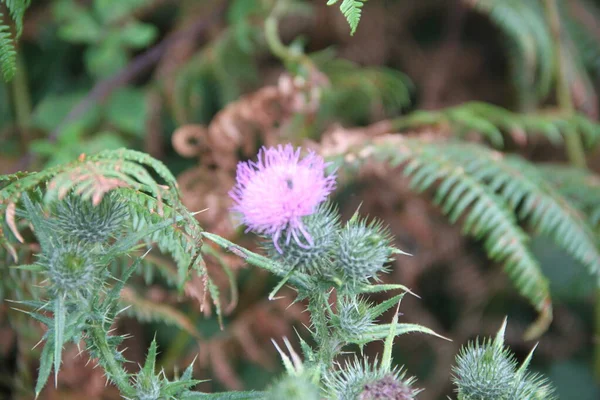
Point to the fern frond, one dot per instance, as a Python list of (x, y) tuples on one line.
[(17, 8), (8, 55), (580, 186), (352, 10), (148, 311), (584, 41), (531, 50), (531, 198), (493, 123), (355, 89), (486, 215)]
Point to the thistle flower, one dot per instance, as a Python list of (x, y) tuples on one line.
[(273, 194), (361, 380)]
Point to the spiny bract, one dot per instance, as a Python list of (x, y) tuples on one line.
[(322, 226)]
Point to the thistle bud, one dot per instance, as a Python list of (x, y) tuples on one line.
[(353, 318), (71, 268), (293, 388), (484, 371), (362, 250), (81, 220), (147, 387), (322, 227)]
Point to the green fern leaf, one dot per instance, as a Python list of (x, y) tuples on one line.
[(531, 198), (17, 8), (351, 9), (486, 215), (8, 55), (530, 47), (580, 186)]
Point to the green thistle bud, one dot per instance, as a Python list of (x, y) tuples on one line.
[(293, 388), (363, 381), (322, 226), (148, 387), (81, 220), (353, 318), (484, 371), (71, 268), (362, 250), (533, 387)]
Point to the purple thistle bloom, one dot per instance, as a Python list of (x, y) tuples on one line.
[(274, 193)]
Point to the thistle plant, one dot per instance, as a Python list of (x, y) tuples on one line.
[(283, 199), (85, 231), (488, 370)]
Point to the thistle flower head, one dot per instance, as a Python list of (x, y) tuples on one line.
[(275, 192), (361, 380)]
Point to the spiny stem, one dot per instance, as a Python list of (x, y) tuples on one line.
[(326, 343), (113, 368)]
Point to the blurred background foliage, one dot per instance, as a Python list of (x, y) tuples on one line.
[(199, 85)]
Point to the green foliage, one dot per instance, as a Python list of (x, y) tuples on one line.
[(109, 29), (581, 187), (495, 123), (80, 213), (486, 215), (352, 10), (8, 54), (488, 370), (531, 49)]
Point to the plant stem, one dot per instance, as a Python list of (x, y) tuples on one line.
[(274, 42), (326, 343), (575, 150), (21, 102), (113, 368)]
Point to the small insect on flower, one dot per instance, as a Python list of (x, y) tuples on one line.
[(275, 192)]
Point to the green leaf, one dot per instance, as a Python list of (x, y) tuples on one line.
[(149, 365), (81, 28), (8, 55), (127, 110), (382, 307), (59, 330), (107, 58), (381, 331), (45, 367), (137, 35), (225, 396), (351, 10)]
